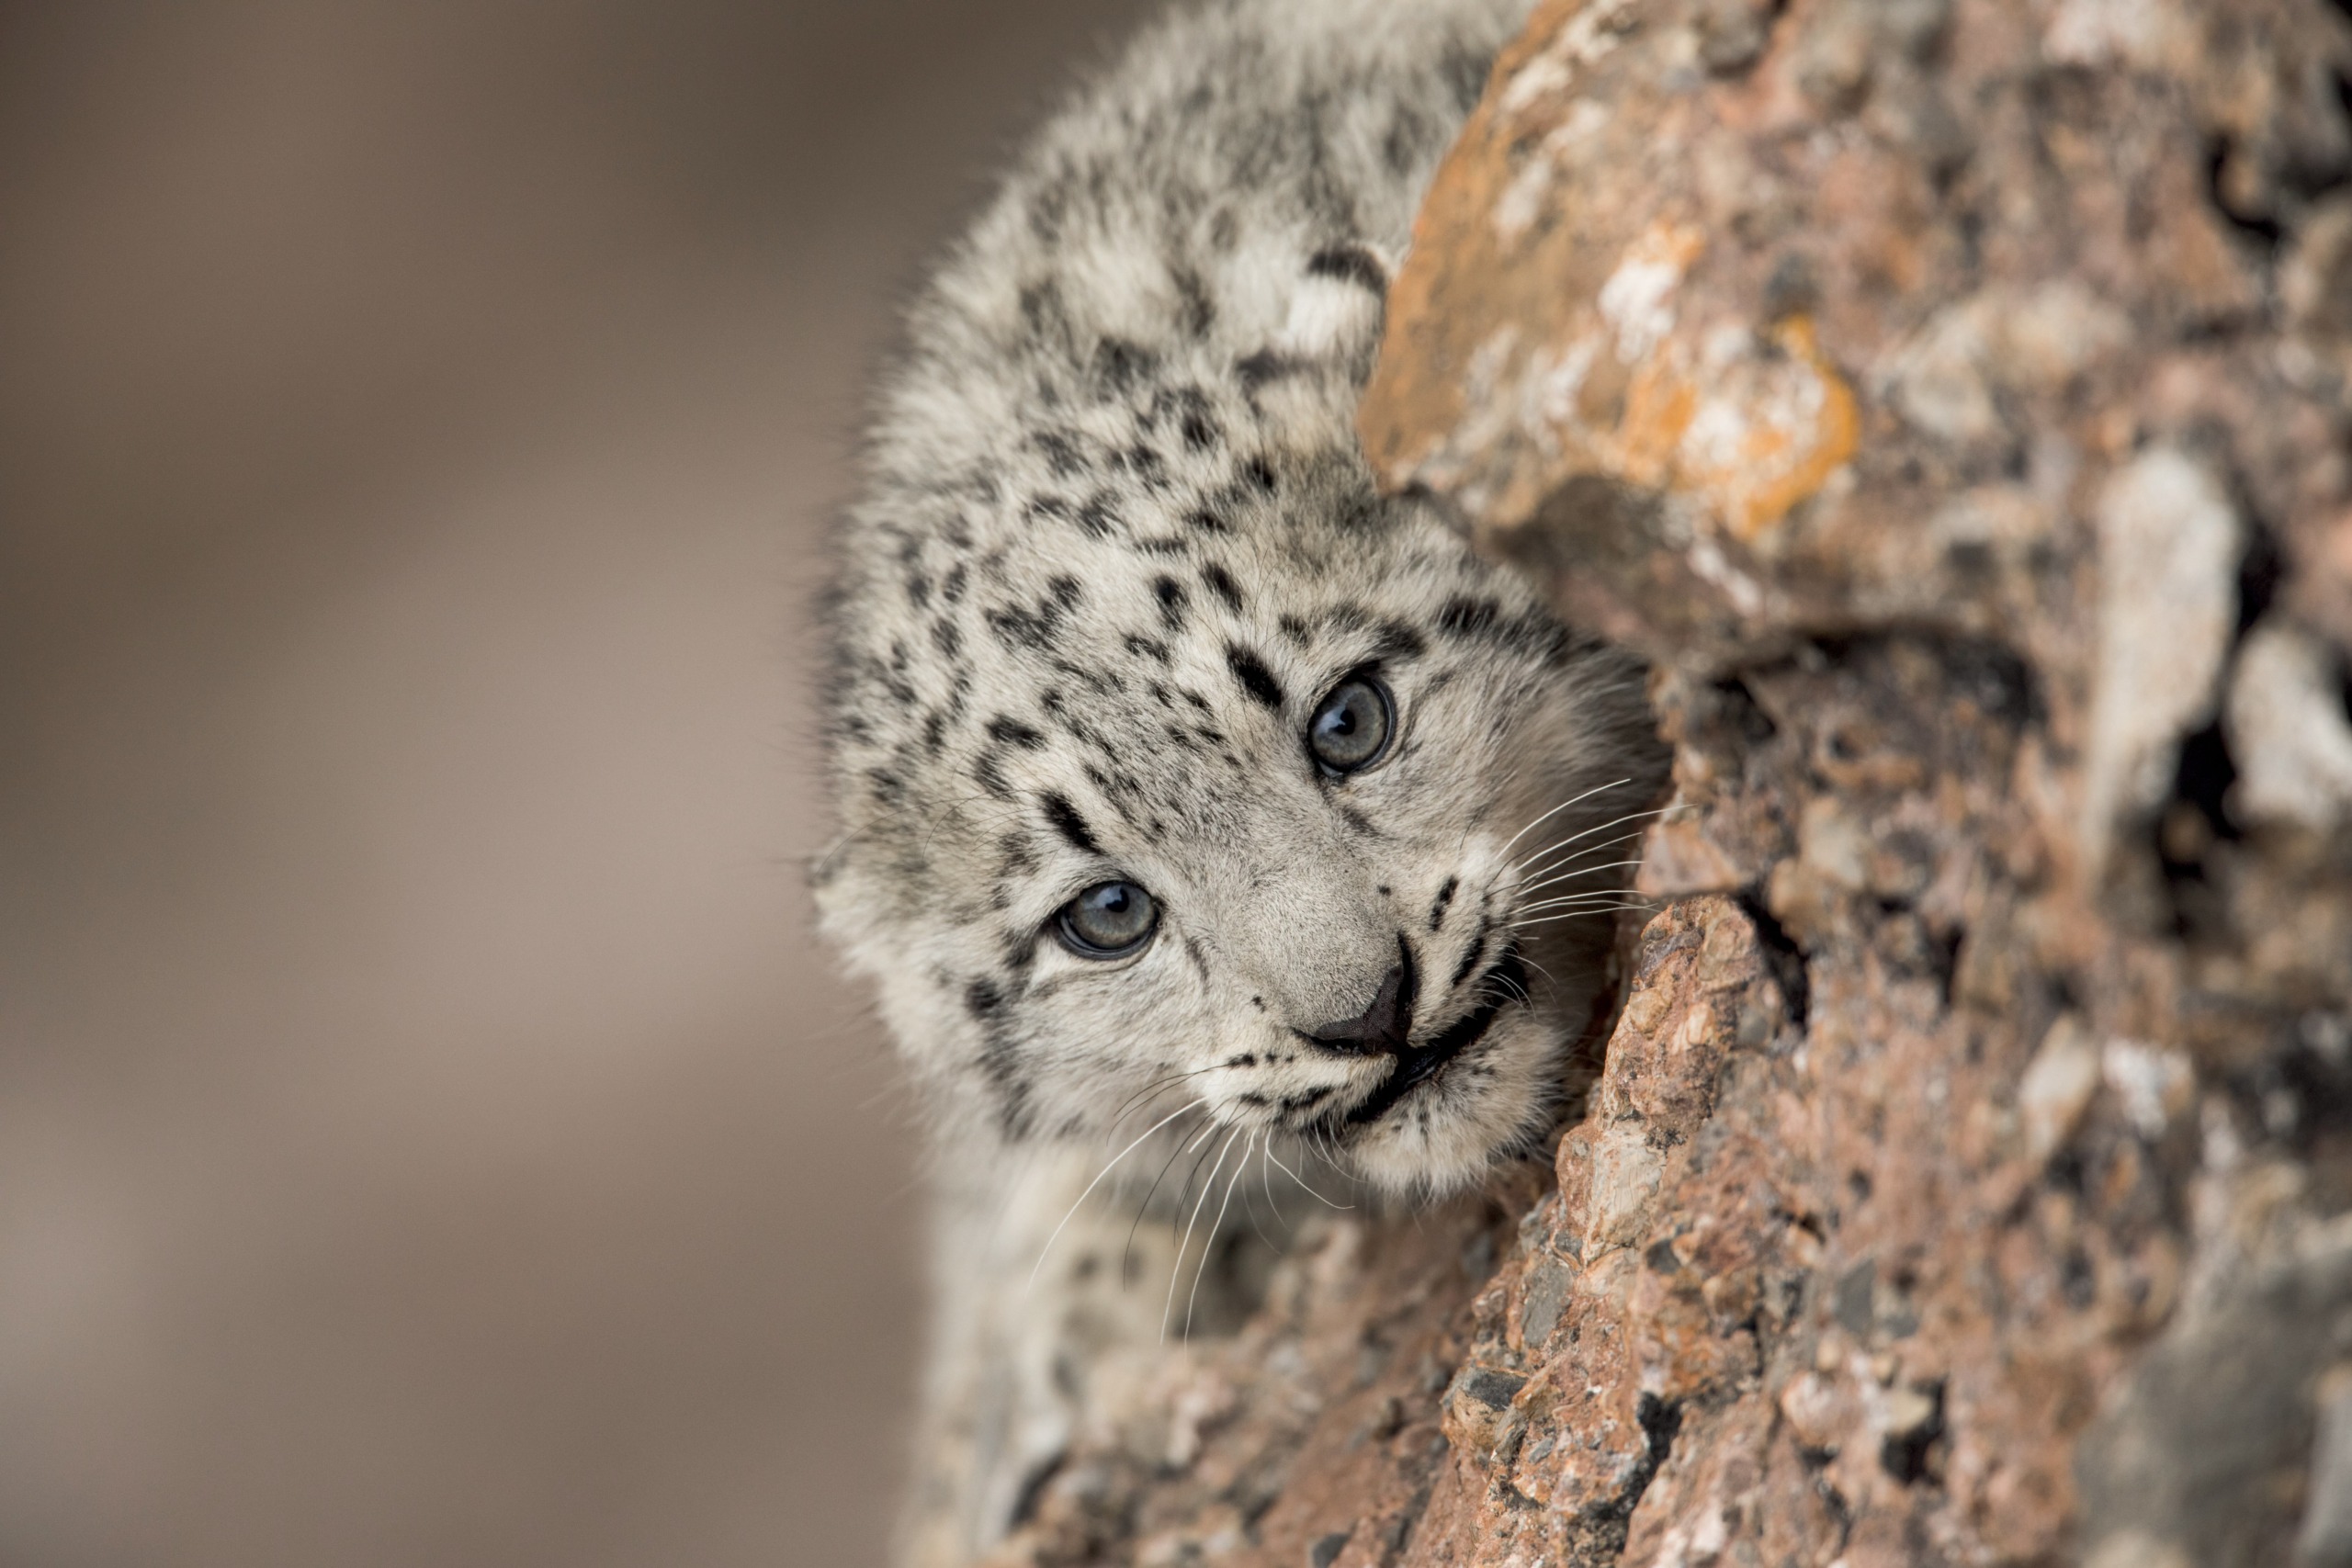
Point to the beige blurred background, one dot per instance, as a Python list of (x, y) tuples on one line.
[(428, 1135)]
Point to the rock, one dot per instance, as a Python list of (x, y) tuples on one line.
[(2168, 545), (2287, 721), (2057, 1087)]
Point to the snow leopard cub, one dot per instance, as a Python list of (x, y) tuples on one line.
[(1203, 811)]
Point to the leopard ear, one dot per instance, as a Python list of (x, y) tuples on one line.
[(1324, 353), (1338, 308)]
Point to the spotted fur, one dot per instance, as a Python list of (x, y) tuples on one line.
[(1116, 542)]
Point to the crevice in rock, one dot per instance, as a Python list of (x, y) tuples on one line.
[(2259, 227), (2196, 814), (1033, 1489), (1906, 1456), (2260, 570), (1661, 1421), (1783, 956)]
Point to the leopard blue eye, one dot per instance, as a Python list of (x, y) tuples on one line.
[(1352, 727), (1108, 919)]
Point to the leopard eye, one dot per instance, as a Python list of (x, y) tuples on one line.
[(1352, 727), (1108, 919)]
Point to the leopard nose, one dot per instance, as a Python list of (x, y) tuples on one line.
[(1386, 1026)]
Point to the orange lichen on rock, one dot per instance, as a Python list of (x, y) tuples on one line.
[(1756, 425)]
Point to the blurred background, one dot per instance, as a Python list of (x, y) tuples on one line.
[(427, 1132)]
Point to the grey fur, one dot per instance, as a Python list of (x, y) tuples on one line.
[(1116, 540)]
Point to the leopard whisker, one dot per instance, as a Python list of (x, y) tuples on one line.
[(1250, 1204), (1596, 909), (1528, 866), (1568, 901), (1176, 1269), (1560, 877), (1598, 828), (1183, 1147), (1557, 809), (1208, 1242), (1090, 1186), (1302, 1181), (1127, 1105)]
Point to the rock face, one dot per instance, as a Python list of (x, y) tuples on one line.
[(1950, 398)]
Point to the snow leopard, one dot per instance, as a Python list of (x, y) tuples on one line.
[(1209, 821)]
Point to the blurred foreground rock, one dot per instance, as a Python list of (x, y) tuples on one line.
[(1950, 398)]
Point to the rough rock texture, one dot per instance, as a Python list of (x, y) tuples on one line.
[(1950, 398)]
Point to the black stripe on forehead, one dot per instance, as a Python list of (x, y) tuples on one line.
[(1068, 823), (1255, 677), (1012, 732), (1398, 641)]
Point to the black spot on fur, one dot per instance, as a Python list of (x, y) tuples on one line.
[(988, 771), (1402, 145), (1255, 677), (982, 997), (918, 589), (1350, 264), (1119, 363), (1012, 732), (1146, 465), (1466, 617), (951, 588), (1147, 648), (1259, 473), (945, 637), (1068, 823), (1257, 369), (1002, 1063), (1470, 955), (1445, 896), (1046, 211), (1220, 583), (1189, 407), (1042, 311), (1465, 72), (1061, 451), (1017, 627), (1196, 312), (1207, 522), (1016, 855), (1398, 641), (1171, 597), (1038, 628), (1097, 517)]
